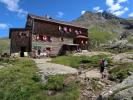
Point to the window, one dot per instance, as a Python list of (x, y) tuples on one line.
[(70, 30), (80, 32), (76, 31), (48, 49), (41, 37), (21, 34), (36, 47), (44, 38), (66, 30), (37, 37), (49, 39), (86, 42), (62, 39), (61, 29)]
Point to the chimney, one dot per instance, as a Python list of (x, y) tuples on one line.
[(47, 16)]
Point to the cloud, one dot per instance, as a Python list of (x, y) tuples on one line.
[(122, 1), (121, 12), (83, 12), (109, 2), (13, 6), (3, 26), (115, 7), (60, 14), (97, 9), (131, 14)]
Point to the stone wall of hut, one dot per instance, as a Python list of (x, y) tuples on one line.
[(19, 39)]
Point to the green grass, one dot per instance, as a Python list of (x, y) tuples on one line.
[(22, 82), (56, 83), (121, 71), (100, 36), (4, 45), (130, 39), (75, 61)]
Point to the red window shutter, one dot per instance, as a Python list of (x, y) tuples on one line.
[(76, 31), (37, 37), (70, 30), (80, 32), (60, 28)]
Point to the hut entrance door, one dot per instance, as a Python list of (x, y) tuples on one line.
[(23, 49)]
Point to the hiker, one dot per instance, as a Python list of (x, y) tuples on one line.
[(102, 67), (105, 67), (39, 52), (105, 63)]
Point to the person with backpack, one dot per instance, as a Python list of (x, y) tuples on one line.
[(105, 67), (102, 67)]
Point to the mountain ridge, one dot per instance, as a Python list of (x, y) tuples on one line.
[(105, 27)]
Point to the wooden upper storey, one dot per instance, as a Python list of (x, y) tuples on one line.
[(51, 27)]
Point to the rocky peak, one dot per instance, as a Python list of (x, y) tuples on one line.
[(104, 14), (108, 15)]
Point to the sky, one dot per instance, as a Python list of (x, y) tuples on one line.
[(13, 13)]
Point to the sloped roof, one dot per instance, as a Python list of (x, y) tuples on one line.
[(56, 21)]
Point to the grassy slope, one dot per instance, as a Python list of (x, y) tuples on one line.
[(75, 61), (120, 71), (96, 34), (4, 45), (21, 82)]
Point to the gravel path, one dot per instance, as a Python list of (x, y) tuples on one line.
[(93, 73), (46, 68)]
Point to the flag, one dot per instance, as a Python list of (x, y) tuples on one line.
[(27, 34), (76, 31), (70, 30), (86, 42), (37, 37), (80, 32), (20, 33), (44, 38), (65, 29), (60, 28)]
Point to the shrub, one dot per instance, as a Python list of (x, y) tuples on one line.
[(55, 83), (120, 71)]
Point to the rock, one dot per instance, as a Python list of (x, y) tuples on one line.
[(1, 66), (51, 92), (123, 57), (122, 91), (68, 80), (126, 94)]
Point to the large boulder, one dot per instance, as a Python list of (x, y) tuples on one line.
[(123, 58), (122, 91)]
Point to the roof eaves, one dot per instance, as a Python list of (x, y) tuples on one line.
[(56, 21)]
